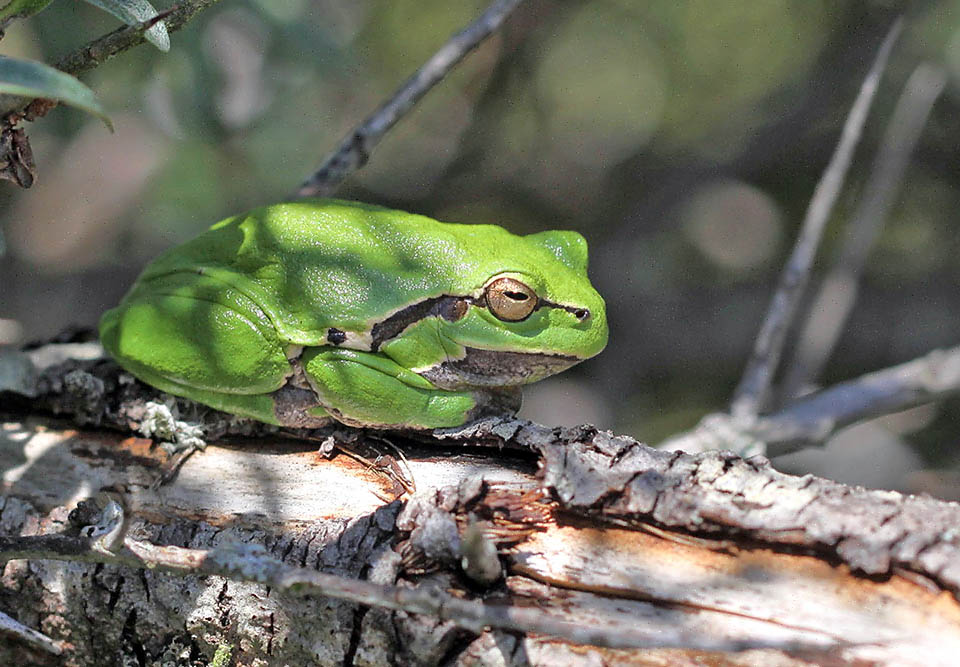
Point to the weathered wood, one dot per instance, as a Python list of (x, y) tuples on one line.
[(720, 493), (764, 583)]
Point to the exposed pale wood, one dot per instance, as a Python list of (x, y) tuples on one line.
[(731, 599), (748, 594), (271, 485), (718, 493)]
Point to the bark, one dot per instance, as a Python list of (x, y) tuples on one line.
[(609, 550)]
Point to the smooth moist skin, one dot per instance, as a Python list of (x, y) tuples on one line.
[(295, 313)]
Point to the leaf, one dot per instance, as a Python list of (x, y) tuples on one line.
[(28, 78), (133, 12), (20, 9)]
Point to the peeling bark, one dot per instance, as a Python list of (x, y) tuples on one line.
[(571, 545), (719, 493), (766, 567)]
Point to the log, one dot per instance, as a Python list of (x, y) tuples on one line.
[(520, 544)]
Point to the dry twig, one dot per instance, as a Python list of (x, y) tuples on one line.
[(751, 393), (252, 563), (838, 292), (15, 628), (812, 419), (354, 150)]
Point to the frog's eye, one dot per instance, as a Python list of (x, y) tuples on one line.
[(510, 300)]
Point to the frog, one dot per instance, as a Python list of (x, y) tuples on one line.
[(305, 313)]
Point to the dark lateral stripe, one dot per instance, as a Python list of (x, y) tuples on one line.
[(579, 313), (450, 308)]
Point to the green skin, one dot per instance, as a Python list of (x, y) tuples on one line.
[(274, 315)]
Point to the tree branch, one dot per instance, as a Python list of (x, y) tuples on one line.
[(750, 394), (840, 287), (354, 150), (813, 418), (13, 627), (100, 50), (583, 562), (252, 563)]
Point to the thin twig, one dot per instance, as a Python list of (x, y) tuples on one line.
[(253, 563), (755, 383), (837, 294), (355, 148), (103, 48), (813, 418), (11, 626)]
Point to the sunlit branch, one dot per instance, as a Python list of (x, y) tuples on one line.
[(812, 419)]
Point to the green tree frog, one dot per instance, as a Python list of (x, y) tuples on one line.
[(298, 312)]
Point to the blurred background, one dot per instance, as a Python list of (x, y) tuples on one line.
[(683, 138)]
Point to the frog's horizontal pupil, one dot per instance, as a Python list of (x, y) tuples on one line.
[(510, 300)]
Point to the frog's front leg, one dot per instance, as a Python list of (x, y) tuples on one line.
[(370, 389)]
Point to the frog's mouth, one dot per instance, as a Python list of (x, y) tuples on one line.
[(490, 368)]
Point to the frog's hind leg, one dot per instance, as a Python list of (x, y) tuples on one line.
[(202, 340), (369, 389), (255, 406)]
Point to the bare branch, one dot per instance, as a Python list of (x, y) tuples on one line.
[(813, 418), (355, 148), (750, 394), (838, 292), (253, 563), (13, 627)]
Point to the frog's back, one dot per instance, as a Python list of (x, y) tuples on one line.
[(318, 264)]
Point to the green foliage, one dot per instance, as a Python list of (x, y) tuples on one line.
[(28, 78), (133, 12), (21, 9), (223, 655)]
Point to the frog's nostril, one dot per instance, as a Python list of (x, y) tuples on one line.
[(581, 314)]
